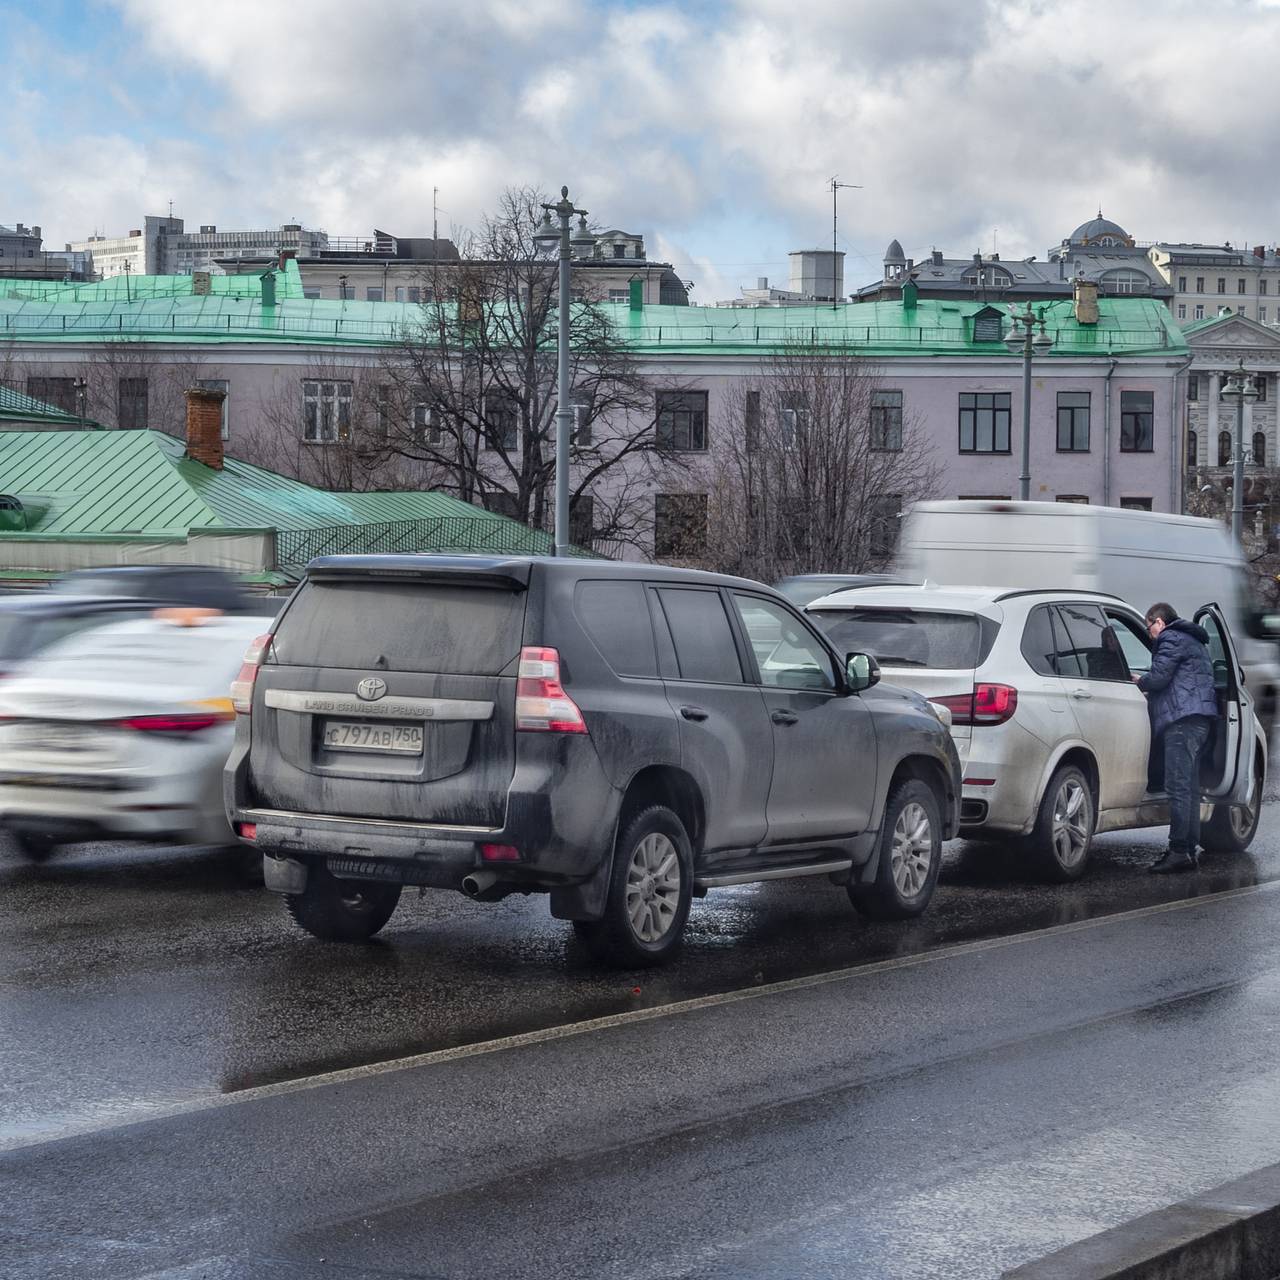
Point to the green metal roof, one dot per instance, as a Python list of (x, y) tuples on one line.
[(163, 309), (141, 482), (16, 407)]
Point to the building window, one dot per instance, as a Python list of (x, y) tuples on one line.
[(1199, 313), (984, 421), (1080, 499), (752, 421), (1199, 284), (1224, 448), (1193, 449), (415, 293), (1261, 383), (582, 532), (682, 420), (1125, 282), (1182, 311), (1137, 412), (347, 291), (583, 417), (428, 424), (59, 392), (886, 517), (326, 411), (1239, 286), (1262, 287), (619, 295), (619, 250), (1182, 284), (402, 294), (131, 404), (1073, 422), (311, 291), (219, 384), (794, 417), (1262, 313), (679, 525), (1259, 449), (502, 420), (1222, 284), (1193, 386), (1135, 504), (373, 293), (886, 420), (988, 326)]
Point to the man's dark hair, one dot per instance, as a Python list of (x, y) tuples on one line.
[(1162, 612)]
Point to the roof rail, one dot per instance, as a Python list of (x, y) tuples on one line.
[(1036, 591)]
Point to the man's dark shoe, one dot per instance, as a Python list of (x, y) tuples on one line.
[(1173, 861)]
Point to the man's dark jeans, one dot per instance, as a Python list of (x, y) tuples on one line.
[(1183, 742)]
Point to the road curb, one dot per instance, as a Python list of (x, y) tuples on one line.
[(1229, 1233)]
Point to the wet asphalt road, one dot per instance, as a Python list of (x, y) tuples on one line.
[(947, 1109)]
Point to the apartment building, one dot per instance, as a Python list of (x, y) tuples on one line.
[(1211, 280)]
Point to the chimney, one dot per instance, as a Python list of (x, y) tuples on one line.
[(35, 231), (1085, 293), (637, 295), (1259, 251), (762, 282), (937, 257), (977, 259), (285, 255), (204, 426)]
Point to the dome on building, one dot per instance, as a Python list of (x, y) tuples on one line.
[(894, 253), (1100, 229)]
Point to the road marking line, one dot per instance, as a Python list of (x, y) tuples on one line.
[(625, 1018)]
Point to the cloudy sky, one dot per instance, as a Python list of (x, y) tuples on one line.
[(711, 126)]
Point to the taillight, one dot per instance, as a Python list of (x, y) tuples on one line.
[(542, 706), (987, 704), (242, 685), (182, 722)]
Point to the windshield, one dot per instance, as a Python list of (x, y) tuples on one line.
[(905, 637)]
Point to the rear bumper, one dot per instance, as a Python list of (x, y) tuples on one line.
[(561, 815)]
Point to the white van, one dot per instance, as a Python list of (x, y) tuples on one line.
[(1140, 556)]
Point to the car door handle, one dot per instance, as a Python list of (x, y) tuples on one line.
[(784, 717), (693, 713), (1081, 694)]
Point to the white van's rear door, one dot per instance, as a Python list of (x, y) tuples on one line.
[(1225, 773)]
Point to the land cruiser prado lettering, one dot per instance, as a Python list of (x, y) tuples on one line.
[(620, 737)]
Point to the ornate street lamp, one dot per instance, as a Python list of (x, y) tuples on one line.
[(548, 235), (1024, 338), (1241, 389)]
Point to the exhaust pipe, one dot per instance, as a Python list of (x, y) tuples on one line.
[(478, 883)]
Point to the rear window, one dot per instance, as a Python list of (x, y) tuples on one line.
[(179, 656), (907, 637), (616, 616), (402, 626)]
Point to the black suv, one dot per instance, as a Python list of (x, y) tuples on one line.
[(620, 736)]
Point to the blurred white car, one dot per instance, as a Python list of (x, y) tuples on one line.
[(122, 732)]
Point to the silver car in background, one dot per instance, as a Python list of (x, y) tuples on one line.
[(1052, 733)]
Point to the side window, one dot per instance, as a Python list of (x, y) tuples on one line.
[(50, 630), (705, 648), (1133, 644), (616, 617), (1090, 644), (787, 655), (1038, 645), (1219, 654)]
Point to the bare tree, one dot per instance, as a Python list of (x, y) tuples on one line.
[(472, 395), (820, 460)]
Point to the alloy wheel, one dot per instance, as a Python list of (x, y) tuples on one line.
[(912, 849), (1071, 823), (653, 887)]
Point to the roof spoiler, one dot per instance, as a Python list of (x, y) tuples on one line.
[(474, 571)]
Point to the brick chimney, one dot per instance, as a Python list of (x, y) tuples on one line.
[(204, 426)]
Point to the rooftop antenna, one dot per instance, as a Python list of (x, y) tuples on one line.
[(836, 185), (435, 214)]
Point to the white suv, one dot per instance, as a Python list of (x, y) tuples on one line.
[(1053, 735)]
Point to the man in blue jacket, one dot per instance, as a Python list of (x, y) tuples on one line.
[(1180, 697)]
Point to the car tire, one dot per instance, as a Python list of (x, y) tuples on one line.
[(1232, 827), (910, 855), (337, 910), (650, 889), (34, 846), (1062, 839)]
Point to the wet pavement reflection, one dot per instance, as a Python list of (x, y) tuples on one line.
[(153, 976)]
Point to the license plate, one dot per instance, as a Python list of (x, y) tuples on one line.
[(362, 735)]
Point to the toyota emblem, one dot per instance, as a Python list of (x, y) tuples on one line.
[(371, 689)]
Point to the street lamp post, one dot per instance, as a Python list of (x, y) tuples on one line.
[(1023, 337), (548, 234), (1239, 388)]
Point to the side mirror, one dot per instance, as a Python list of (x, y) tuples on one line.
[(861, 671)]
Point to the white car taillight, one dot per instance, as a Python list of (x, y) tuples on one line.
[(542, 706), (242, 685)]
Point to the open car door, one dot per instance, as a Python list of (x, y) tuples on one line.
[(1225, 768)]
